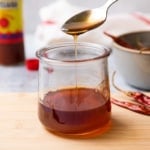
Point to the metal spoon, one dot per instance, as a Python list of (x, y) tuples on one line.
[(87, 20)]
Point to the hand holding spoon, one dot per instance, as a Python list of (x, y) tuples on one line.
[(87, 20)]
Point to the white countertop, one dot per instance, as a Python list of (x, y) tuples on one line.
[(18, 79)]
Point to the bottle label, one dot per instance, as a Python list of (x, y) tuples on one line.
[(11, 21)]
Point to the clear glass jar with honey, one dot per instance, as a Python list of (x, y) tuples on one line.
[(74, 94)]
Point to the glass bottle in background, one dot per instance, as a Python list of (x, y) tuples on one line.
[(11, 32)]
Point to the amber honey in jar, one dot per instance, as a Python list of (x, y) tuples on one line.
[(74, 96), (11, 32)]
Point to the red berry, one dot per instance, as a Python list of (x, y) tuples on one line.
[(4, 22), (32, 64)]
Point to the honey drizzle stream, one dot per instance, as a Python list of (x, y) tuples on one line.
[(75, 37)]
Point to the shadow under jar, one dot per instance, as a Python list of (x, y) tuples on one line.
[(74, 94)]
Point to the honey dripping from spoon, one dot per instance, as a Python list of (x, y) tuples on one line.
[(84, 22)]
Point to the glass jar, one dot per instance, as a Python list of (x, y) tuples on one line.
[(74, 93)]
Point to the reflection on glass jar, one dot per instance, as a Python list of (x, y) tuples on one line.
[(74, 95)]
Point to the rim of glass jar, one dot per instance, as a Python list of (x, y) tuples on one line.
[(40, 53)]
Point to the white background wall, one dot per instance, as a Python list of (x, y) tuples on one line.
[(31, 8)]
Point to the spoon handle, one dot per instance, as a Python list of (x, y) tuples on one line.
[(109, 3)]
